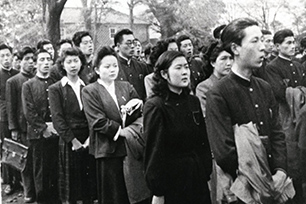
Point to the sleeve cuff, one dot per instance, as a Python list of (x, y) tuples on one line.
[(117, 134)]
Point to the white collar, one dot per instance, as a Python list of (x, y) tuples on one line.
[(238, 74), (65, 81), (39, 75)]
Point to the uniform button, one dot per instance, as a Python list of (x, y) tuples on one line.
[(48, 98), (270, 155), (256, 106), (291, 64), (121, 78), (46, 82), (293, 72), (131, 75), (177, 104), (295, 81), (47, 89), (260, 123), (251, 89)]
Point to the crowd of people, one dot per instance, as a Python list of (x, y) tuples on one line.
[(160, 125)]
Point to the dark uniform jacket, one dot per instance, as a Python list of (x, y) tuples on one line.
[(134, 72), (197, 73), (282, 73), (35, 101), (4, 76), (104, 117), (237, 101), (177, 152), (261, 72), (16, 117)]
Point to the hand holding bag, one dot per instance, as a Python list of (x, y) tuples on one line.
[(14, 154)]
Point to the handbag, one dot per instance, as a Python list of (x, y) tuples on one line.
[(14, 154)]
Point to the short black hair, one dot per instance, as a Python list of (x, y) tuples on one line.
[(303, 43), (217, 31), (118, 36), (77, 37), (41, 43), (280, 35), (234, 32), (41, 51), (26, 50), (63, 41), (266, 32), (5, 46), (180, 39)]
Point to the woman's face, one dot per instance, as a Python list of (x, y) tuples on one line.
[(222, 65), (72, 65), (108, 69), (178, 74)]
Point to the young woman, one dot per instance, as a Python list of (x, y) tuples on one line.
[(177, 154), (220, 62), (103, 101), (76, 165)]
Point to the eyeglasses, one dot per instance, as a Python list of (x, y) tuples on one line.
[(130, 43)]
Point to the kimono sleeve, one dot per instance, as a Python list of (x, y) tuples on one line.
[(56, 100), (154, 157), (220, 133), (96, 114)]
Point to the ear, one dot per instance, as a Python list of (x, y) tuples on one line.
[(213, 64), (96, 70), (277, 45), (164, 74), (235, 48)]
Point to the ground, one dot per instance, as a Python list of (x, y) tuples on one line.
[(15, 198)]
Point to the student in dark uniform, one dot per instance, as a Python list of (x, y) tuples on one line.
[(76, 165), (197, 70), (240, 98), (282, 72), (102, 105), (10, 176), (83, 41), (268, 42), (130, 69), (40, 132), (16, 121), (178, 160)]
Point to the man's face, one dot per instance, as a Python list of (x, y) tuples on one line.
[(251, 51), (43, 63), (268, 42), (126, 47), (5, 58), (50, 49), (63, 48), (27, 63), (187, 48), (138, 49), (87, 46), (287, 47)]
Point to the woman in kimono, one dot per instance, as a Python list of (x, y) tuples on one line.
[(76, 165), (103, 101), (220, 63), (177, 155)]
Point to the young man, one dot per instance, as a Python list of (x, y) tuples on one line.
[(40, 131), (268, 42), (240, 98), (55, 72), (285, 76), (83, 41), (198, 72), (46, 45), (129, 68), (16, 120), (282, 72), (9, 175)]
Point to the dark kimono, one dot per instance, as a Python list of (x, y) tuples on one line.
[(76, 168), (237, 101), (104, 119), (178, 159)]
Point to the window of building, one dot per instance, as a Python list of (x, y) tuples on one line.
[(112, 32)]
